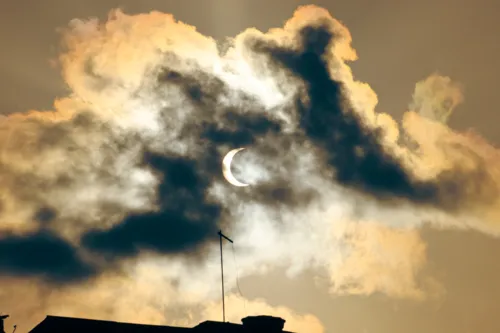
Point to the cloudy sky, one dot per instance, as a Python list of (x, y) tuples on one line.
[(371, 154)]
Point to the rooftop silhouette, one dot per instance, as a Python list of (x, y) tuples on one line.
[(55, 324), (2, 318)]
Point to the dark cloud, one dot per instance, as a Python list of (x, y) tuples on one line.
[(281, 193), (45, 215), (42, 254), (327, 119), (199, 87), (240, 129), (354, 151), (185, 222), (233, 125)]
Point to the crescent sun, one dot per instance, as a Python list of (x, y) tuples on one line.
[(226, 168)]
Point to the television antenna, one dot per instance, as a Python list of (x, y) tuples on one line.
[(221, 235)]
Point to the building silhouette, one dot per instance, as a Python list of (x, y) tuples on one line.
[(257, 324)]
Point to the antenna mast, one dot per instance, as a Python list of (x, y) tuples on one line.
[(221, 235)]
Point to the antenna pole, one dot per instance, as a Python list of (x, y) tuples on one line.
[(221, 235), (222, 278)]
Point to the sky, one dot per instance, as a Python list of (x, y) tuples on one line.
[(383, 220)]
